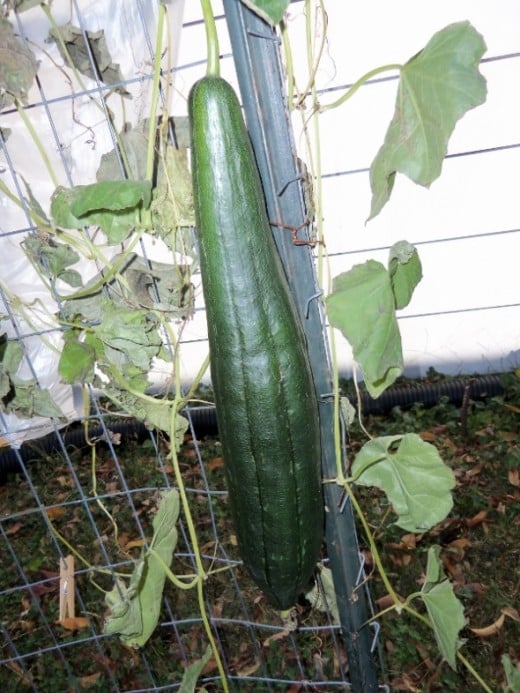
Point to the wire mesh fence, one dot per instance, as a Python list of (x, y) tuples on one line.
[(77, 505), (55, 505), (92, 489)]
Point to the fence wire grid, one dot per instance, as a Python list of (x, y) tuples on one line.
[(65, 495), (88, 492)]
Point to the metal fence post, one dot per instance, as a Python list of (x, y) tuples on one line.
[(256, 54)]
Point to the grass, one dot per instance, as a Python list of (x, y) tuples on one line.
[(479, 542)]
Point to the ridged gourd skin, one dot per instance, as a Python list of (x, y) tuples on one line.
[(264, 393)]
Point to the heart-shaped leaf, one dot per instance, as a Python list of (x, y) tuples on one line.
[(362, 307), (413, 476), (436, 88)]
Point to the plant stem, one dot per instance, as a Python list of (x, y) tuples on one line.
[(474, 673), (37, 141), (359, 83), (213, 64), (152, 123), (373, 549)]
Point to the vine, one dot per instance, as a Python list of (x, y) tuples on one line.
[(111, 339), (377, 292)]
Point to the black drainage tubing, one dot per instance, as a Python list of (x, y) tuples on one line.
[(204, 421), (429, 394)]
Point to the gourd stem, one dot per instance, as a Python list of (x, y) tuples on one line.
[(213, 64)]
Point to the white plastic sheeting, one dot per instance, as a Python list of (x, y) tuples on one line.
[(74, 131)]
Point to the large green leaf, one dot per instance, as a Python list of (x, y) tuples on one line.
[(270, 10), (361, 306), (413, 476), (436, 88), (444, 609), (111, 205)]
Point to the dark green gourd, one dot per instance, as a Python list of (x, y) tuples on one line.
[(266, 405)]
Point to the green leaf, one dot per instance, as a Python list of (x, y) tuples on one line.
[(113, 195), (362, 307), (444, 609), (405, 271), (512, 673), (112, 205), (193, 671), (135, 608), (270, 10), (77, 360), (436, 88), (159, 415), (413, 476)]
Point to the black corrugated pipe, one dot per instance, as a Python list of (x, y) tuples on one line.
[(204, 420), (429, 394)]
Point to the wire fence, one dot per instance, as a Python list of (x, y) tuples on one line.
[(77, 502), (93, 492)]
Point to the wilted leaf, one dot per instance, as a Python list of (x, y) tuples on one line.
[(444, 609), (173, 199), (18, 66), (405, 272), (134, 143), (11, 353), (71, 42), (74, 623), (135, 608), (436, 88), (30, 400), (54, 512), (362, 307), (413, 476), (513, 476), (23, 5), (322, 596), (53, 259)]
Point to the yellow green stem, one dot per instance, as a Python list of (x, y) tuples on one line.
[(152, 123), (213, 64), (359, 83), (37, 141)]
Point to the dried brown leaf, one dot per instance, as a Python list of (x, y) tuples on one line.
[(73, 623)]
